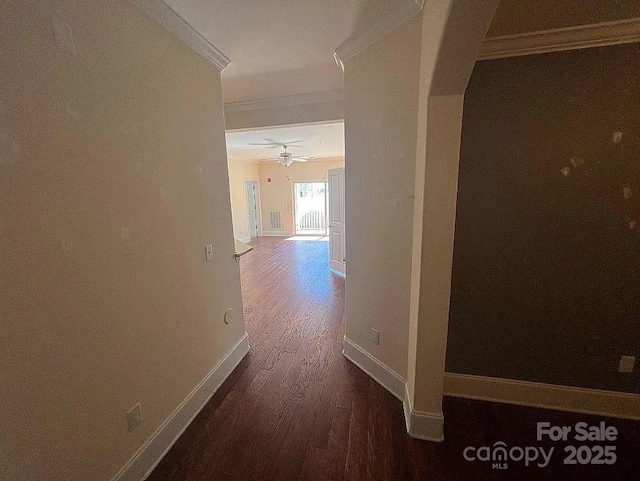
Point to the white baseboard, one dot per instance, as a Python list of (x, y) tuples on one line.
[(149, 455), (429, 426), (277, 233), (541, 395), (338, 273), (422, 425), (380, 372), (245, 239)]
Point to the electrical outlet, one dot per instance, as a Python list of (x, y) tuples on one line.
[(134, 417), (208, 252), (626, 364), (375, 336)]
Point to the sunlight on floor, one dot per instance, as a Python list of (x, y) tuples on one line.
[(308, 238)]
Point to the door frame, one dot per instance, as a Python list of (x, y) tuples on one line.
[(258, 202), (326, 204)]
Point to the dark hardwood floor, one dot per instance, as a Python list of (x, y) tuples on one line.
[(296, 409)]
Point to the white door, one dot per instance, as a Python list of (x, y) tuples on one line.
[(337, 255), (251, 187)]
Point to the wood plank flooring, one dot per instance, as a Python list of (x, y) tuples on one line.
[(296, 409)]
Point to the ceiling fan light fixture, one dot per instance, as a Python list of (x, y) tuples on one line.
[(286, 162)]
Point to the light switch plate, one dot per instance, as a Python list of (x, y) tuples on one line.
[(375, 336), (134, 417), (208, 252)]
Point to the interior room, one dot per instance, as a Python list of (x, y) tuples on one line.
[(182, 183), (266, 150), (287, 183)]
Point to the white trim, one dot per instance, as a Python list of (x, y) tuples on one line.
[(556, 40), (153, 450), (295, 124), (389, 21), (338, 273), (178, 26), (245, 239), (380, 372), (277, 233), (422, 425), (259, 205), (541, 395), (260, 232), (315, 159), (287, 101), (430, 426)]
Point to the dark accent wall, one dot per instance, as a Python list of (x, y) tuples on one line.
[(546, 269)]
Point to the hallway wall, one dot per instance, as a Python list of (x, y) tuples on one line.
[(546, 277), (113, 176), (381, 108)]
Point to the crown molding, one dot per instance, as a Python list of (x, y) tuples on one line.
[(178, 26), (557, 40), (287, 101), (405, 10), (315, 159)]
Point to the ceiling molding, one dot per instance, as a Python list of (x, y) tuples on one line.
[(405, 10), (288, 101), (178, 26), (557, 40), (315, 159), (275, 161)]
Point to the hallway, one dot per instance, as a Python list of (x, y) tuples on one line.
[(295, 408)]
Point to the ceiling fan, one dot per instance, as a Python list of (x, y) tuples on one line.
[(286, 158)]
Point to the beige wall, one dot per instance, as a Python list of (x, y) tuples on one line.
[(385, 134), (239, 172), (128, 134), (381, 105), (277, 195)]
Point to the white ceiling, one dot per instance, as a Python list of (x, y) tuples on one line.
[(262, 37), (285, 47), (321, 141)]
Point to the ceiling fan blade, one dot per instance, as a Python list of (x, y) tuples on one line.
[(273, 144), (265, 144), (302, 159)]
